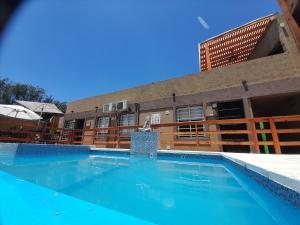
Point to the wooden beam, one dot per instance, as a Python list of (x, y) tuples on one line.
[(290, 143), (288, 131), (275, 136), (207, 55), (254, 136)]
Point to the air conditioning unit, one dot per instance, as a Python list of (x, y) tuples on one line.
[(122, 105), (109, 107)]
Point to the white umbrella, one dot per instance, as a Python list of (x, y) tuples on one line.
[(18, 112), (40, 107)]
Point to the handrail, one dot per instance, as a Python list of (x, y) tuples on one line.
[(118, 137)]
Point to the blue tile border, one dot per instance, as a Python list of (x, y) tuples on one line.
[(167, 154), (284, 193), (42, 149), (14, 150), (189, 156), (107, 152)]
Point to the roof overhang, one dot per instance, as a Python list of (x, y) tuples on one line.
[(233, 46)]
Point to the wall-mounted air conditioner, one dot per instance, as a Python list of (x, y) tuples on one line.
[(122, 105), (109, 107)]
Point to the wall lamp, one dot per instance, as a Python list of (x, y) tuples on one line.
[(245, 85)]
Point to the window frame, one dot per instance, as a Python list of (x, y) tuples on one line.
[(155, 116), (69, 124), (99, 133), (129, 122), (189, 117)]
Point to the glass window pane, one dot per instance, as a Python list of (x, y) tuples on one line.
[(189, 114)]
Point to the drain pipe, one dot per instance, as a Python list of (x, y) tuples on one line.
[(137, 113)]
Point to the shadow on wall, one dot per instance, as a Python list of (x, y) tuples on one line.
[(280, 106)]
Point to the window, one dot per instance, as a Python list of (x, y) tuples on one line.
[(127, 120), (189, 114), (69, 124), (101, 122), (155, 118)]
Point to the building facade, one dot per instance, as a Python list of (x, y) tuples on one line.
[(250, 71)]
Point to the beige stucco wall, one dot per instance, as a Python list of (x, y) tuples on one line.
[(209, 85), (254, 72), (61, 122), (89, 124), (168, 116)]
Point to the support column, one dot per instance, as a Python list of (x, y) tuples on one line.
[(249, 114), (207, 107)]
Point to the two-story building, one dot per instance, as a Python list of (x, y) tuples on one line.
[(250, 71)]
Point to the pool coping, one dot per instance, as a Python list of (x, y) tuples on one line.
[(257, 166)]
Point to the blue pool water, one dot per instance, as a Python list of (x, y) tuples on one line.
[(167, 191)]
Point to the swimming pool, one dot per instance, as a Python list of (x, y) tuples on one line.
[(163, 190)]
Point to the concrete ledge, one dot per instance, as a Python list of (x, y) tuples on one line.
[(283, 186), (283, 169)]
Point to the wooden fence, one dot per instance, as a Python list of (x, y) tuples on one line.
[(279, 132)]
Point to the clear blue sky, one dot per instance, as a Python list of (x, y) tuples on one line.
[(81, 48)]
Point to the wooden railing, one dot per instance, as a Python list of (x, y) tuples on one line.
[(278, 132), (271, 124)]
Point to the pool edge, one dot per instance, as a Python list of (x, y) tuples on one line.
[(276, 183)]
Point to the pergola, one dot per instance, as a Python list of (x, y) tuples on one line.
[(233, 46)]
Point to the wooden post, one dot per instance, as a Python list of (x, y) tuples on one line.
[(72, 136), (42, 136), (55, 137), (275, 136), (58, 139), (249, 115), (94, 136), (197, 135), (118, 137), (254, 135), (207, 55)]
